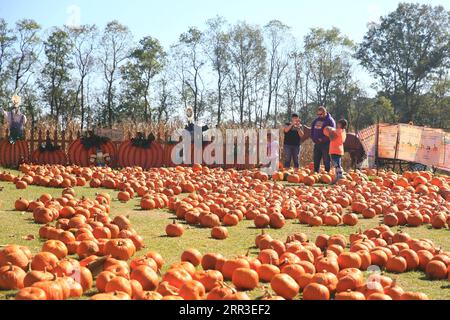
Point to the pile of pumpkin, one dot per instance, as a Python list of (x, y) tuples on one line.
[(325, 269), (53, 176), (271, 204), (83, 226), (321, 270), (225, 197)]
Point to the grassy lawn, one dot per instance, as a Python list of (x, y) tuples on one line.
[(151, 225)]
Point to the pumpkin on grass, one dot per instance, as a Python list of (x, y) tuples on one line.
[(192, 255), (245, 279), (174, 230), (119, 284), (316, 291), (122, 249), (31, 293), (219, 233), (192, 290), (284, 286), (436, 269), (146, 276), (11, 277), (209, 278)]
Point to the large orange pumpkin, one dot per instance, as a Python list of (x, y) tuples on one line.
[(80, 155), (11, 155)]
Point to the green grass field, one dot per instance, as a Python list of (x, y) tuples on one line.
[(14, 226)]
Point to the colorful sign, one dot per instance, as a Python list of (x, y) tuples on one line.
[(430, 147), (444, 163), (427, 146), (409, 142), (387, 141)]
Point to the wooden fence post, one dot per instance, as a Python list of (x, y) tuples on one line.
[(30, 151), (397, 142), (63, 140), (55, 137), (377, 133), (39, 137)]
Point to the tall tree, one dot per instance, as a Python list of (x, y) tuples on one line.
[(248, 57), (217, 41), (326, 54), (56, 72), (146, 61), (83, 40), (406, 47), (7, 40), (295, 85), (165, 99), (27, 33), (435, 103), (191, 62), (115, 46), (277, 34)]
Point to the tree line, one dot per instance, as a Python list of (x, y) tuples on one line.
[(231, 73)]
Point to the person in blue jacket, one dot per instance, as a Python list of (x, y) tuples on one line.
[(321, 141)]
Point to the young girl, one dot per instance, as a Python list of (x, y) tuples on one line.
[(273, 151), (337, 138)]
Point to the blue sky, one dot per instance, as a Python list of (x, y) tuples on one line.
[(166, 20)]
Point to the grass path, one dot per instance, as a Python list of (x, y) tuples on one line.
[(151, 225)]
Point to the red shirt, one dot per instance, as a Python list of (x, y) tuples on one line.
[(337, 139)]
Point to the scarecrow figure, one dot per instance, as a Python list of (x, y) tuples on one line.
[(196, 133), (16, 120), (192, 126), (100, 159)]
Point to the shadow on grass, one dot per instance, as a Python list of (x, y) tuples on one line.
[(255, 228), (12, 210), (31, 221)]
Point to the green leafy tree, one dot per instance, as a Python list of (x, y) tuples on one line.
[(277, 36), (146, 61), (56, 74), (83, 40), (327, 55), (190, 65), (248, 66), (7, 40), (115, 49), (217, 41), (404, 49), (383, 110), (435, 104), (26, 56)]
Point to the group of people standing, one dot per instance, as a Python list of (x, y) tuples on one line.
[(328, 138)]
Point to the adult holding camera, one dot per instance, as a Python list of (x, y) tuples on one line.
[(293, 134), (321, 141)]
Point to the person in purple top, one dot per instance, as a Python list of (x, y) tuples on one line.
[(321, 141)]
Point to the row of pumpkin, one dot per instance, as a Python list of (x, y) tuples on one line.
[(154, 155), (103, 250)]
